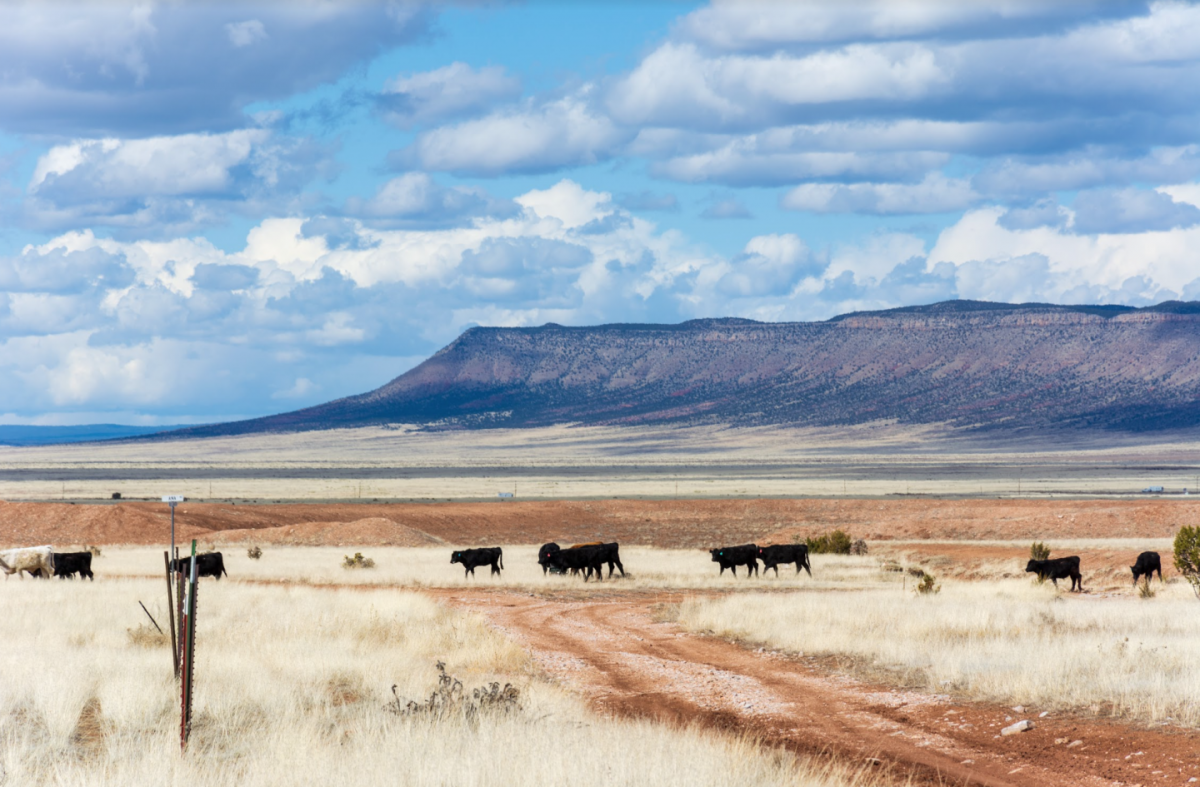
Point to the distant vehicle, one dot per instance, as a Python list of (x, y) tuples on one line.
[(1152, 490)]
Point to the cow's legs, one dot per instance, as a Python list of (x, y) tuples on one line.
[(620, 567), (495, 569)]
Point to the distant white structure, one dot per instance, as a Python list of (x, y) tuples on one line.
[(1153, 489), (505, 495)]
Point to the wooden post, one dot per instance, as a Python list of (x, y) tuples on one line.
[(171, 608)]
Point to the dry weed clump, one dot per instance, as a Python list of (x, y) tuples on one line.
[(358, 561), (254, 552), (144, 636), (448, 699), (1039, 551)]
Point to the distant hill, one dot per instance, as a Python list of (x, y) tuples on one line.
[(966, 364), (49, 435)]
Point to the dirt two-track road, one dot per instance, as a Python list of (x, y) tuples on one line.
[(613, 651)]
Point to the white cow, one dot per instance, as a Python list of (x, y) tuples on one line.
[(31, 559)]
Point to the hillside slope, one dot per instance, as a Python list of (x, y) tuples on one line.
[(961, 363)]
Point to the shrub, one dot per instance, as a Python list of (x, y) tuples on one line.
[(835, 543), (254, 552), (358, 561), (926, 583), (1039, 551), (1145, 590), (448, 699), (95, 550), (1187, 556), (859, 547)]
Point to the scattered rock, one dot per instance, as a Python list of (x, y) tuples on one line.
[(1022, 726), (1073, 744), (1043, 714), (1019, 709), (1060, 741)]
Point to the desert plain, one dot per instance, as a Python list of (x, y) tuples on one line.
[(312, 673)]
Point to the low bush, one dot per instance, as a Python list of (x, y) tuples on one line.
[(1039, 551), (835, 543), (1187, 556), (95, 550), (449, 699), (926, 583), (358, 561), (1145, 590), (254, 552)]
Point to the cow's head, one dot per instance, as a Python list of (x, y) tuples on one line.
[(717, 554), (456, 557), (1034, 566)]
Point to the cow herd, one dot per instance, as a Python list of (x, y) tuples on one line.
[(586, 559), (1068, 568)]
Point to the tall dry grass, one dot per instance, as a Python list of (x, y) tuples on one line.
[(291, 689), (1011, 642)]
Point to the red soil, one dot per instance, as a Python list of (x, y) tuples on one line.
[(665, 523)]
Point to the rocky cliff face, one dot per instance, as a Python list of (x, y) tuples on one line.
[(962, 363)]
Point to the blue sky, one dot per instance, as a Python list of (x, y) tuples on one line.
[(216, 210)]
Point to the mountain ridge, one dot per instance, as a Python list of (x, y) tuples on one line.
[(968, 364)]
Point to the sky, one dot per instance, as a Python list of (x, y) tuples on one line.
[(215, 210)]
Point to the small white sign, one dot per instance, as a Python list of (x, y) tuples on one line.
[(505, 495), (172, 498)]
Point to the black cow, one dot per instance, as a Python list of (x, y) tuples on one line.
[(473, 558), (611, 554), (587, 559), (68, 564), (1056, 569), (732, 557), (1147, 563), (785, 553), (544, 561), (208, 564)]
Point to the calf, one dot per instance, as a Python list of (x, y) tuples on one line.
[(473, 558), (772, 556), (1147, 563), (37, 561), (208, 564), (68, 564), (544, 561), (1056, 569), (732, 557), (587, 559)]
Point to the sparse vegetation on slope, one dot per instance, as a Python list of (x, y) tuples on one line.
[(1030, 366)]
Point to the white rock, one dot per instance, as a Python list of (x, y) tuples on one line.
[(1043, 714), (1019, 709), (1021, 726)]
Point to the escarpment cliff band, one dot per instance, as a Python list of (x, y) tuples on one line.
[(965, 364)]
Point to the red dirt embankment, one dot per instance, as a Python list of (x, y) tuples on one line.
[(663, 523)]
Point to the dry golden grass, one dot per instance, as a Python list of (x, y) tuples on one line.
[(1011, 641), (291, 689)]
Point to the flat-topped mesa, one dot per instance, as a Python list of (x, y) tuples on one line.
[(965, 364)]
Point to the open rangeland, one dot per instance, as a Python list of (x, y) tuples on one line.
[(850, 666), (294, 686)]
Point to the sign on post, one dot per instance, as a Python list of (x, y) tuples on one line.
[(172, 499)]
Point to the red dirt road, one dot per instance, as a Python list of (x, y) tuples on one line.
[(613, 652)]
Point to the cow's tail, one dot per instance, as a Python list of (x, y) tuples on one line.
[(501, 557)]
